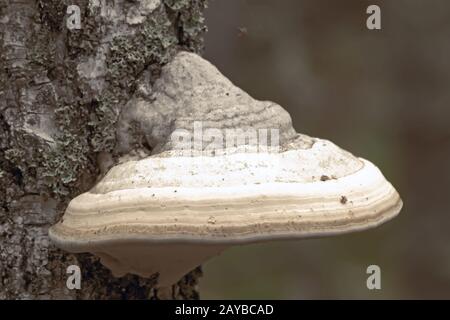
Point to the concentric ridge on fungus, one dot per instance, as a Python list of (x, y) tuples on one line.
[(170, 212)]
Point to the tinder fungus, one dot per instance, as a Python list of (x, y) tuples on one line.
[(224, 170)]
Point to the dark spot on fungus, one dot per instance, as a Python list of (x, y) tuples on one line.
[(324, 178), (343, 199)]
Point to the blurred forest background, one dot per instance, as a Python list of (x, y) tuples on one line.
[(383, 95)]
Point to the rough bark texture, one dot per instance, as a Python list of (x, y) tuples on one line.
[(61, 93)]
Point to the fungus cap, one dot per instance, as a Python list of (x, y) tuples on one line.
[(170, 212)]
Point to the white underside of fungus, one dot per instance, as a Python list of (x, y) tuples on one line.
[(170, 212)]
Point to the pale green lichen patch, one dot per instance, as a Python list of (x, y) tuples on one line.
[(152, 45), (64, 163)]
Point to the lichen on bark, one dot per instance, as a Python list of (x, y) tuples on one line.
[(61, 94)]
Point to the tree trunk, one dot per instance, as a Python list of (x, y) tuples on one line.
[(62, 91)]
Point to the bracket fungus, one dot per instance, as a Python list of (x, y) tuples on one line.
[(198, 193)]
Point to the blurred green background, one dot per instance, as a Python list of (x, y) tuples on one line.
[(383, 95)]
